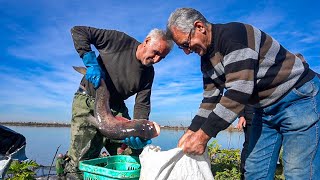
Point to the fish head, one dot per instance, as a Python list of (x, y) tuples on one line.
[(148, 129)]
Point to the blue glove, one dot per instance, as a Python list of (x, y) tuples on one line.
[(94, 71), (136, 142)]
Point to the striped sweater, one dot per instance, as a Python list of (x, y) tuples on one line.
[(243, 66)]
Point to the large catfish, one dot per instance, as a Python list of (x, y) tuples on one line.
[(117, 127)]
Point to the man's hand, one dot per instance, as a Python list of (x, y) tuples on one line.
[(184, 137), (241, 123), (94, 72), (93, 75), (194, 143), (136, 142)]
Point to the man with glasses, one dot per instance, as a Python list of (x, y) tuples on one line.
[(186, 45), (252, 68)]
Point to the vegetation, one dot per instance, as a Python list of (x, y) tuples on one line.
[(225, 163), (22, 170), (279, 171)]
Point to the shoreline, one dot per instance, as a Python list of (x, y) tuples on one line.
[(56, 124)]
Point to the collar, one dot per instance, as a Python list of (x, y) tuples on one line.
[(210, 48)]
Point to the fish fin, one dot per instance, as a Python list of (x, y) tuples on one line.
[(81, 70)]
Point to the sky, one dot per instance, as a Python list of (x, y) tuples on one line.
[(37, 52)]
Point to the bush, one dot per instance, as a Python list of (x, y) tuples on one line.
[(279, 171), (232, 174), (22, 170), (225, 163)]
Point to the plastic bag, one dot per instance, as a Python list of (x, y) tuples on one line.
[(173, 165)]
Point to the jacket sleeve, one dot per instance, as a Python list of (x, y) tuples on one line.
[(239, 68), (83, 37), (242, 113), (211, 96), (142, 106)]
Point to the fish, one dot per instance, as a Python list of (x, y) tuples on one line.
[(117, 128)]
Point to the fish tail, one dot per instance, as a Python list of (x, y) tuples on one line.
[(81, 70)]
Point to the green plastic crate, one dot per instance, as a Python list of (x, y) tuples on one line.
[(111, 167)]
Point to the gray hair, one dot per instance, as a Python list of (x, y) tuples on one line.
[(156, 34), (183, 19)]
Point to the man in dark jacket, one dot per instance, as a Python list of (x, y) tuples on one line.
[(253, 68), (126, 66)]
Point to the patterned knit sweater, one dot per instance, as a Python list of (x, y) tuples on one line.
[(243, 66)]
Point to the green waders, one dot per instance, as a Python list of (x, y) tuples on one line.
[(86, 140)]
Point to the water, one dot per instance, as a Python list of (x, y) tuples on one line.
[(42, 142)]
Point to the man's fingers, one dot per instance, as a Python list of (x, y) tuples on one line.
[(180, 143), (96, 81), (148, 141), (138, 142), (132, 142)]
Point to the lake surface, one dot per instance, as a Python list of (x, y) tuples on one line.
[(42, 142)]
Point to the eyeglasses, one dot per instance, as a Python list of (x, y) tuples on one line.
[(186, 45)]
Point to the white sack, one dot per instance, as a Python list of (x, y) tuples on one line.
[(173, 165), (4, 165)]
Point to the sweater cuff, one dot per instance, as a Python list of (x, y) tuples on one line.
[(196, 123), (214, 125), (241, 114)]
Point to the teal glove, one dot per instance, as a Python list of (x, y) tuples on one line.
[(136, 142), (94, 72)]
